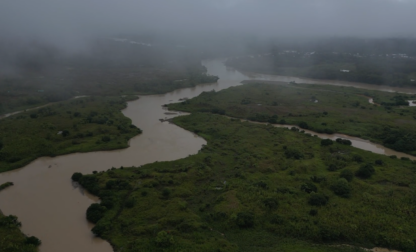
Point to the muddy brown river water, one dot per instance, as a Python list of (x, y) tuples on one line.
[(52, 208)]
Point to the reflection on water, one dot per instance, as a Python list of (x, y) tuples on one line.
[(52, 208)]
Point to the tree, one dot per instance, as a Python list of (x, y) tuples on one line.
[(166, 193), (65, 133), (95, 212), (317, 199), (164, 240), (271, 203), (76, 176), (309, 187), (326, 142), (365, 171), (303, 125), (10, 221), (341, 188), (33, 241), (347, 174), (105, 139), (245, 220)]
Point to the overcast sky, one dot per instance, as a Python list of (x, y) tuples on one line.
[(72, 20)]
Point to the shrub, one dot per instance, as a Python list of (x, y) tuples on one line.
[(365, 171), (118, 184), (5, 185), (95, 212), (347, 174), (261, 184), (341, 188), (166, 193), (326, 142), (76, 176), (313, 212), (332, 167), (357, 158), (303, 125), (295, 154), (33, 241), (378, 162), (90, 182), (343, 141), (129, 203), (309, 187), (10, 221), (105, 139), (65, 133), (164, 240), (271, 203), (101, 227), (245, 220), (317, 199)]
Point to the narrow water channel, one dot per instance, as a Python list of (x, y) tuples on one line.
[(52, 208)]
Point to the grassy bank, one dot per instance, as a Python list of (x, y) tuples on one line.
[(256, 188), (324, 109), (80, 125)]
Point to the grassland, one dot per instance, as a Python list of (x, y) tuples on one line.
[(256, 188), (80, 125), (324, 109)]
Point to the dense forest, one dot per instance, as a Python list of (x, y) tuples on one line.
[(256, 188)]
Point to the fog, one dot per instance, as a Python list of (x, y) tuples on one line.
[(38, 32), (71, 23)]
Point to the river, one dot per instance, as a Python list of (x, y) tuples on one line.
[(53, 208)]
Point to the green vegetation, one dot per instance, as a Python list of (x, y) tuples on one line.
[(80, 125), (11, 238), (256, 188), (323, 109), (5, 185)]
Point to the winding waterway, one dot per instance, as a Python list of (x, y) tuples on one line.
[(52, 208)]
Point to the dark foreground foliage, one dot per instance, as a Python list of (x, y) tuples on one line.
[(11, 238), (242, 192)]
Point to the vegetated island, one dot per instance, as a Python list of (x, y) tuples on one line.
[(11, 238), (320, 108), (80, 125), (256, 188)]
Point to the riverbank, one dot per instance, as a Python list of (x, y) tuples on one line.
[(322, 109), (81, 125), (44, 189), (257, 187)]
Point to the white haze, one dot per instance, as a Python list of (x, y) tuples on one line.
[(70, 22)]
